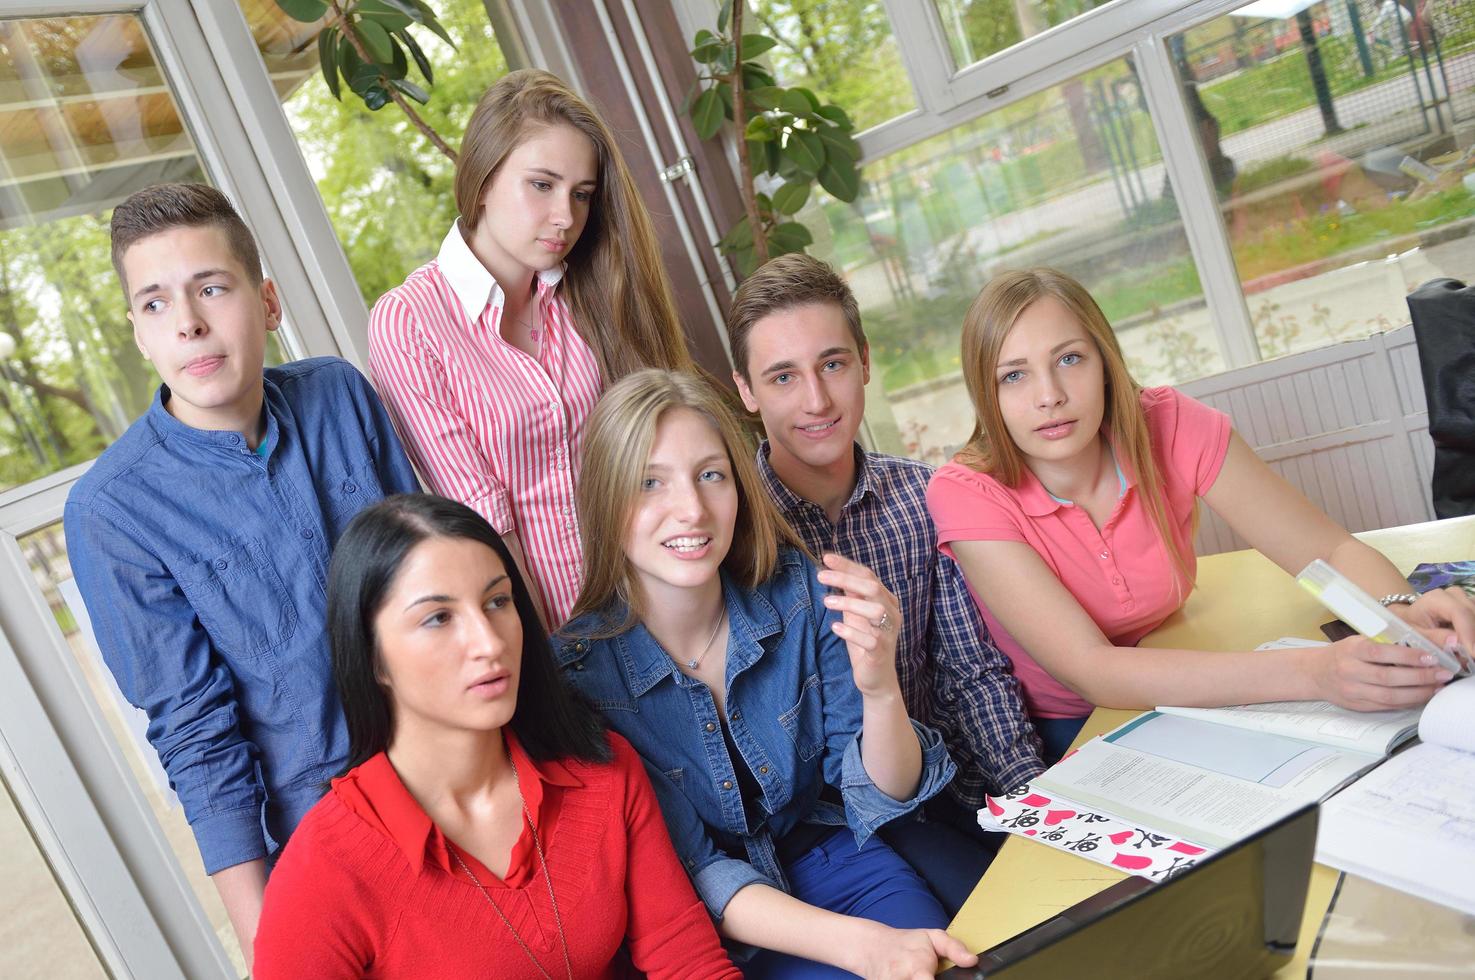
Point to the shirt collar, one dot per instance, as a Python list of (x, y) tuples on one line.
[(788, 501), (375, 792), (170, 427), (473, 285), (1036, 501)]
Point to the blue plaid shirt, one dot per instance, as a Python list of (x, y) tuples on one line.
[(952, 676)]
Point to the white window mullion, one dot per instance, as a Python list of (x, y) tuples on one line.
[(1197, 202), (924, 51)]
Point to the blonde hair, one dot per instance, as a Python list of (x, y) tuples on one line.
[(617, 443), (616, 284), (992, 450)]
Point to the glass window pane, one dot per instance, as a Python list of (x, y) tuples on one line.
[(843, 50), (1071, 178), (978, 28), (46, 554), (85, 119), (387, 190), (39, 933), (1339, 140)]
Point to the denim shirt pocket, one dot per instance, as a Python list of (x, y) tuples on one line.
[(804, 722), (238, 596), (348, 490)]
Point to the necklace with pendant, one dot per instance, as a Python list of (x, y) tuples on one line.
[(694, 661), (543, 864)]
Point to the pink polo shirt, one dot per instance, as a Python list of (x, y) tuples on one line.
[(1121, 575), (484, 422)]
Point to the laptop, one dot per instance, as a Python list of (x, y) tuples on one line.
[(1236, 914)]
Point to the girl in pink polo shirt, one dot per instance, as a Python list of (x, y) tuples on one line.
[(1072, 510), (546, 289)]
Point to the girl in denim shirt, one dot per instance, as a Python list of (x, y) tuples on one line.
[(744, 676)]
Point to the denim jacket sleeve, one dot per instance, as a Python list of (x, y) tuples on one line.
[(715, 876), (866, 806), (162, 660)]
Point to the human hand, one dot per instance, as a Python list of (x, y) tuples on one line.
[(869, 624), (1362, 675), (1446, 616), (908, 954)]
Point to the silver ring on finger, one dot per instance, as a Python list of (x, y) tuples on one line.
[(884, 623)]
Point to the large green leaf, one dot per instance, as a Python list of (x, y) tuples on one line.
[(840, 177), (707, 114), (381, 12), (364, 78), (411, 89), (755, 76), (724, 15), (760, 154), (306, 11), (756, 44), (773, 156), (376, 40), (704, 36), (430, 21), (806, 150), (739, 236), (726, 58), (707, 53), (789, 198), (766, 97), (422, 62), (328, 59), (349, 61), (759, 130), (407, 8), (839, 143), (794, 102), (836, 115), (810, 97), (790, 236)]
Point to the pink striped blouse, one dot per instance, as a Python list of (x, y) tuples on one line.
[(483, 422)]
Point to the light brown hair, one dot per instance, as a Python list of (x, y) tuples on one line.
[(782, 284), (617, 441), (615, 284), (164, 206), (991, 449)]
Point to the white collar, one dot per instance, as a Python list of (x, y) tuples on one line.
[(472, 283)]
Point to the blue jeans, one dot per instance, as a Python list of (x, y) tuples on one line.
[(1057, 734), (871, 883), (950, 851)]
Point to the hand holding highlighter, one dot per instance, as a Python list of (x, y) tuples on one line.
[(1367, 616)]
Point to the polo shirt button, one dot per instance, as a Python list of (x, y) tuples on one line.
[(307, 533), (1116, 580), (727, 784), (710, 727), (1106, 554), (222, 564)]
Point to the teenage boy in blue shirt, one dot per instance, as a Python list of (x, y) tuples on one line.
[(200, 539), (802, 364)]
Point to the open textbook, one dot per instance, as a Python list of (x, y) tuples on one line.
[(1410, 823), (1211, 776)]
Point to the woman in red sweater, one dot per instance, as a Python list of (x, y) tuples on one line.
[(486, 824)]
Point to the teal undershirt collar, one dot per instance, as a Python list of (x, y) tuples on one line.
[(1121, 485)]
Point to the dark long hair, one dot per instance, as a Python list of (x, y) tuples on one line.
[(550, 720)]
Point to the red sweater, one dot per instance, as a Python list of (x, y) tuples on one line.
[(368, 888)]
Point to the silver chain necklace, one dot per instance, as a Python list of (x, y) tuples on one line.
[(543, 863), (694, 661)]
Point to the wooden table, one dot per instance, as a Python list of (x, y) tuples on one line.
[(1242, 600)]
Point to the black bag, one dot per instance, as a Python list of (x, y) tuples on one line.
[(1443, 312)]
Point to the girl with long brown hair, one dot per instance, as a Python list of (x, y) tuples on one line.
[(1072, 511), (547, 289)]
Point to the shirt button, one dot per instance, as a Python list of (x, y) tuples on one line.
[(307, 533), (727, 784), (580, 646), (1116, 580), (763, 770), (579, 665), (710, 727), (235, 440), (222, 564), (734, 714), (349, 487), (1106, 554)]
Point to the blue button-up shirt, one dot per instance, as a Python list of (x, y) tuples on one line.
[(204, 567), (794, 714), (952, 676)]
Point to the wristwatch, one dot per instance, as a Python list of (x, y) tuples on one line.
[(1403, 598)]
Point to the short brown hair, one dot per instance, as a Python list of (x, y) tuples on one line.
[(616, 282), (782, 284), (165, 206)]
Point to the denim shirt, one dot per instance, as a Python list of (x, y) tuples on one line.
[(204, 567), (794, 714)]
